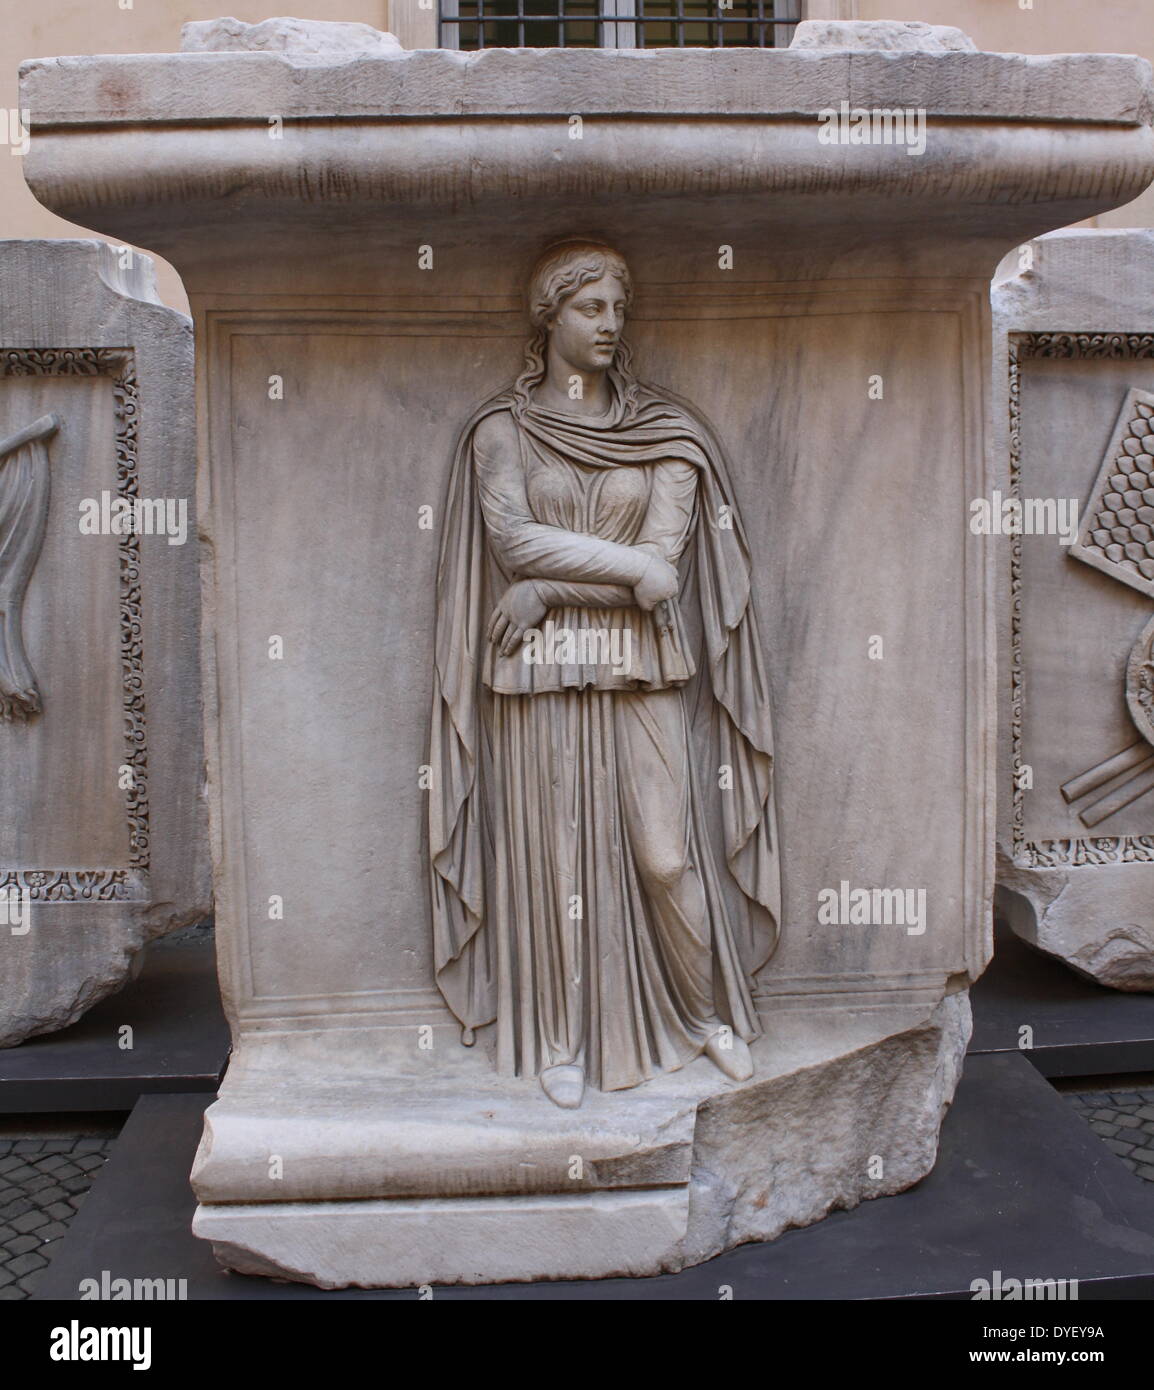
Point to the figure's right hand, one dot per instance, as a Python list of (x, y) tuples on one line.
[(520, 608), (657, 583)]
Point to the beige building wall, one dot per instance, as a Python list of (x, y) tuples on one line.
[(55, 27), (51, 28)]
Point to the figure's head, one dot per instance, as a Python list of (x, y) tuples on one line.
[(578, 296)]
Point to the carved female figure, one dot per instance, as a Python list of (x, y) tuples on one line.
[(602, 834)]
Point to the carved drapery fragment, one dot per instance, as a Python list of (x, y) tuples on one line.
[(24, 493), (1127, 774)]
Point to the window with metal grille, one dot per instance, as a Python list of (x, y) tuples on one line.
[(617, 23)]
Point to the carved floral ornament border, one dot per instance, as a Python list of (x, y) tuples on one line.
[(105, 885), (1073, 852)]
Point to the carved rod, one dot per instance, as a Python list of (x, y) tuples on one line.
[(43, 428), (24, 489)]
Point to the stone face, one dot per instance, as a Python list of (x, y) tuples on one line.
[(885, 35), (103, 838), (823, 308), (297, 36), (1073, 319)]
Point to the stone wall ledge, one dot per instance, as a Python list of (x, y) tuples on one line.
[(148, 183), (195, 87)]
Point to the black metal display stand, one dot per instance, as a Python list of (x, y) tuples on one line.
[(1022, 1188), (178, 1034)]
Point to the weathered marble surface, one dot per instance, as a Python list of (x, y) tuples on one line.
[(283, 35), (451, 1175), (110, 628), (885, 35), (1074, 336), (825, 307)]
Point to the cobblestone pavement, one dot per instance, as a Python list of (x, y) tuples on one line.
[(43, 1182), (1124, 1121)]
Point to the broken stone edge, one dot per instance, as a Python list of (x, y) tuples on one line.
[(768, 1156)]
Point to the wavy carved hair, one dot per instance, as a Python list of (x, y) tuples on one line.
[(561, 272)]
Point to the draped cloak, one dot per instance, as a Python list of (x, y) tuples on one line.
[(727, 701)]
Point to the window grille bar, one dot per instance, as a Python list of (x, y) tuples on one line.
[(614, 24)]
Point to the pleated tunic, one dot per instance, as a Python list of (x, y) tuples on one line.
[(608, 915)]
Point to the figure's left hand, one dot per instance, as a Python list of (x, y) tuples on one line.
[(520, 608)]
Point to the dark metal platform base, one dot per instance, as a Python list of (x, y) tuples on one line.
[(1022, 1186), (179, 1035), (1079, 1028)]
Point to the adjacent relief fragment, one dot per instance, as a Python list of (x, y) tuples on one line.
[(1076, 833), (103, 836)]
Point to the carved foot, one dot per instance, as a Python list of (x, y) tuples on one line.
[(565, 1086), (730, 1054)]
